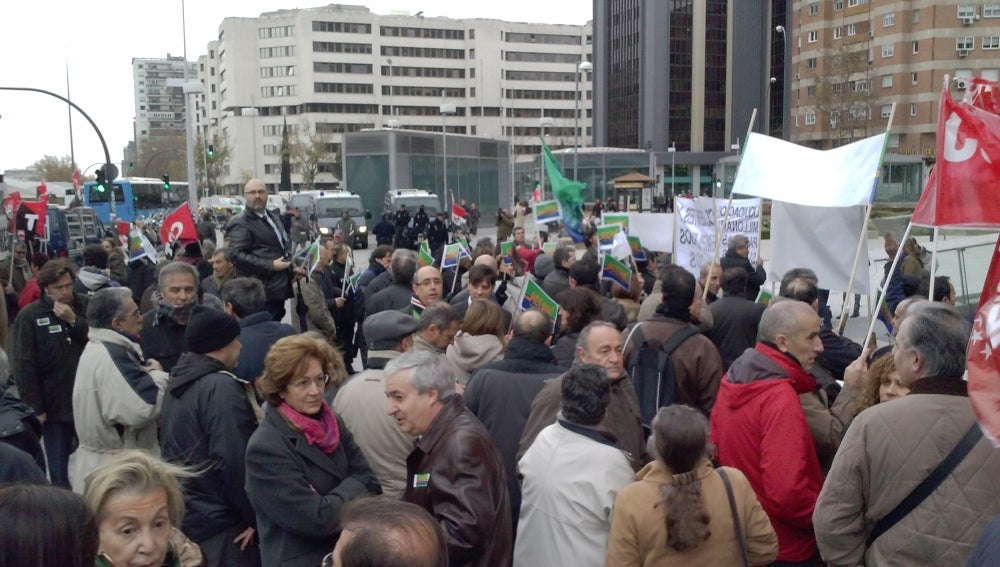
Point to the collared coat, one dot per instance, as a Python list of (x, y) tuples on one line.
[(639, 527), (254, 246), (455, 472), (891, 448)]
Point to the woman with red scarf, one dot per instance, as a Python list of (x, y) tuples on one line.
[(302, 462)]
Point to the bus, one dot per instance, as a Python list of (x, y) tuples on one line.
[(135, 197)]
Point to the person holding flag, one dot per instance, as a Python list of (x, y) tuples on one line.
[(342, 304)]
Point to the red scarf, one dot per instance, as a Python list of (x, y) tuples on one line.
[(323, 432)]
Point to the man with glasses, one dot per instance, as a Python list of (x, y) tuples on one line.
[(428, 286), (207, 419), (259, 247)]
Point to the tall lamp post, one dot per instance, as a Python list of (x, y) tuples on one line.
[(673, 153), (446, 109), (772, 79), (543, 122), (581, 68)]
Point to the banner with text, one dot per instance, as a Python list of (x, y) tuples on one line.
[(695, 228)]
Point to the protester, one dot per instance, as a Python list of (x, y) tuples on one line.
[(163, 326), (482, 282), (892, 448), (17, 466), (16, 272), (396, 296), (19, 426), (474, 215), (735, 318), (31, 291), (881, 383), (427, 289), (342, 304), (48, 338), (45, 526), (578, 307), (208, 416), (482, 338), (259, 246), (93, 276), (313, 291), (436, 328), (301, 229), (347, 226), (116, 260), (736, 257), (302, 462), (361, 401), (473, 507), (383, 231), (711, 276), (586, 274), (388, 533), (629, 298), (760, 428), (243, 298), (680, 510), (222, 271), (571, 475), (118, 392)]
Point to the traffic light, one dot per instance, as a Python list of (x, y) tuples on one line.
[(211, 150), (99, 183), (166, 181), (131, 166)]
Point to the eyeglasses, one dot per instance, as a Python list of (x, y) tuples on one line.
[(434, 281), (304, 383)]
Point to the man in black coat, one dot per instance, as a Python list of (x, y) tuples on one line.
[(557, 280), (397, 296), (587, 273), (163, 326), (401, 220), (735, 318), (500, 393), (208, 417), (244, 299), (259, 247), (736, 257), (437, 234), (48, 339)]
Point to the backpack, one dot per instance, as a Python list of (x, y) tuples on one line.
[(653, 373)]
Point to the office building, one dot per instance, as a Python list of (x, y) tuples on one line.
[(159, 114)]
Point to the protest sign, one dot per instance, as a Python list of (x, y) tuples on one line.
[(695, 228)]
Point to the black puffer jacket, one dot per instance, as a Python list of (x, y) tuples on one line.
[(253, 247), (206, 422)]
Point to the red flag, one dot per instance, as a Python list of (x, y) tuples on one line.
[(962, 190), (124, 229), (31, 216), (983, 356), (179, 225), (76, 180), (458, 214), (11, 205), (42, 190), (536, 195)]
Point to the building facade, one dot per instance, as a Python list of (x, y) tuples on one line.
[(159, 113), (338, 69), (854, 59)]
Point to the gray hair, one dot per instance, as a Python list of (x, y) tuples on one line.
[(581, 341), (106, 306), (737, 242), (438, 313), (214, 302), (705, 269), (403, 266), (940, 336), (245, 295), (174, 268), (428, 371)]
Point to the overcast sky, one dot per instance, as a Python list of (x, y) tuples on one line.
[(98, 41)]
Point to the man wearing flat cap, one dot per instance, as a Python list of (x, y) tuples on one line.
[(208, 416), (361, 401)]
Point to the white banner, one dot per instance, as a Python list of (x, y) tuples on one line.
[(695, 228), (655, 230)]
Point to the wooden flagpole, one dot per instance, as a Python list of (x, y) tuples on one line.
[(885, 286), (934, 251), (729, 207), (863, 237)]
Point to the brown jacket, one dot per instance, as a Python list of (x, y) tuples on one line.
[(455, 472), (622, 420), (891, 448), (697, 363), (639, 527)]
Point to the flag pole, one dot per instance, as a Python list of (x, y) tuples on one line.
[(862, 238), (934, 251), (729, 207), (892, 272), (454, 279)]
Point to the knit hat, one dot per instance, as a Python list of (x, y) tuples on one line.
[(209, 330)]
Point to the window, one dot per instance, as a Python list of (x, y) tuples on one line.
[(838, 32), (860, 86), (915, 48), (889, 20), (913, 109), (916, 16), (472, 34), (838, 5), (813, 9), (894, 140), (811, 91), (990, 74), (886, 110), (966, 11), (991, 10), (913, 78), (810, 117), (812, 36), (853, 3), (811, 63), (991, 42), (965, 42), (852, 29), (888, 50), (886, 81)]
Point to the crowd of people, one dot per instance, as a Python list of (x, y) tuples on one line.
[(165, 415)]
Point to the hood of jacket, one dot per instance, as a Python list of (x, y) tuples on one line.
[(189, 369), (93, 278), (472, 351), (760, 369)]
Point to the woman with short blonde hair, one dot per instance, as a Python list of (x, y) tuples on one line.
[(481, 339)]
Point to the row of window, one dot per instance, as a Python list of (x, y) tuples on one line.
[(422, 33), (433, 52), (532, 57), (346, 88), (550, 38), (328, 67), (451, 92), (279, 90), (340, 47), (437, 72), (278, 71), (278, 31), (278, 51), (276, 129), (341, 27), (541, 94)]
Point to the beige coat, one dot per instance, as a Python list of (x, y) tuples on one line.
[(639, 529), (891, 448)]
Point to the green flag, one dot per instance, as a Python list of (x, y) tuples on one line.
[(425, 258), (569, 194)]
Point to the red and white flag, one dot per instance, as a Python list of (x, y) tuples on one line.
[(76, 181), (179, 225), (459, 216), (963, 189), (984, 353)]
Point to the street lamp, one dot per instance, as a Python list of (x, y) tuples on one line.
[(768, 87), (446, 109), (581, 67), (673, 153), (543, 122)]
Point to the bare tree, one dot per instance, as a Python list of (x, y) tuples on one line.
[(311, 151), (217, 162), (164, 154), (52, 168), (843, 92)]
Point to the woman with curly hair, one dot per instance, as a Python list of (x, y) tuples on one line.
[(679, 510), (881, 383), (578, 307)]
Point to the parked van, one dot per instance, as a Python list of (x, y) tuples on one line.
[(329, 206), (413, 199)]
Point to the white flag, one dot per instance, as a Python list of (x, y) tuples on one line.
[(783, 171)]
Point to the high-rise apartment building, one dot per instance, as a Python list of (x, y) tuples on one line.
[(336, 69), (853, 59), (159, 108), (682, 77)]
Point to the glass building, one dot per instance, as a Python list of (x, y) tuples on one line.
[(479, 169), (594, 166)]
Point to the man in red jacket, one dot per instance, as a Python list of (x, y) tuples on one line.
[(760, 428)]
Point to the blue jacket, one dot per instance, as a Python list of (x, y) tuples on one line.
[(258, 333)]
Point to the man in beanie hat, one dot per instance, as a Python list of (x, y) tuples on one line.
[(361, 401), (208, 416)]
